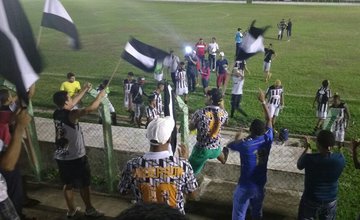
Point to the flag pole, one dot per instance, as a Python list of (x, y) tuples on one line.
[(38, 38), (113, 74)]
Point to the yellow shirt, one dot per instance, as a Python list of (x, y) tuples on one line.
[(71, 88)]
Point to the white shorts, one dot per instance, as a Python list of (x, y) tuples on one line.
[(273, 110), (267, 66), (339, 136), (321, 114), (182, 91), (126, 100), (138, 109), (158, 77)]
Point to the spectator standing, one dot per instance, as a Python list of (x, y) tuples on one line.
[(201, 48), (171, 64), (275, 100), (238, 75), (181, 82), (289, 29), (281, 26), (213, 48), (136, 103), (191, 70), (238, 40), (159, 171), (208, 122), (158, 98), (254, 154), (322, 173), (128, 82), (9, 158), (268, 57), (322, 98), (72, 86), (341, 121), (70, 153), (205, 75), (151, 112), (102, 86), (222, 68)]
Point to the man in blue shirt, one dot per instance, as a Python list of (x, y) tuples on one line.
[(254, 153), (238, 40), (322, 172)]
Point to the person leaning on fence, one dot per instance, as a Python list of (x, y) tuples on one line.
[(208, 122), (254, 154), (70, 152), (158, 176), (322, 172), (8, 161)]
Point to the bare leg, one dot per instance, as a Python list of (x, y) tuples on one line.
[(69, 197), (85, 195), (224, 155)]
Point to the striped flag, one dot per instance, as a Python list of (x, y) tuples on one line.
[(56, 17), (169, 110), (252, 43), (143, 56), (20, 61)]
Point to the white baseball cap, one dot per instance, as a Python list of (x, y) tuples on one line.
[(221, 54), (159, 130)]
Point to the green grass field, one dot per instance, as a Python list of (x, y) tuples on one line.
[(324, 46)]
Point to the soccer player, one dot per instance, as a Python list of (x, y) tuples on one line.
[(71, 86), (136, 103), (213, 48), (160, 176), (128, 82), (151, 112), (281, 26), (289, 29), (322, 98), (221, 74), (341, 121), (208, 122), (158, 99), (238, 40), (200, 48), (70, 153), (269, 56), (254, 154), (237, 89), (275, 100), (181, 82), (322, 173)]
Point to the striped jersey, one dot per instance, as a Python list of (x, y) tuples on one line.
[(340, 122), (181, 81), (322, 97), (159, 179), (274, 94), (151, 113), (209, 122), (158, 101)]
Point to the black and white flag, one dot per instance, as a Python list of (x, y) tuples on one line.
[(252, 43), (169, 110), (56, 17), (143, 56), (20, 61)]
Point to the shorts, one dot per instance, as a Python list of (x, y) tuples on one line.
[(7, 210), (321, 114), (273, 110), (267, 66), (200, 155), (139, 109), (205, 83), (75, 172), (221, 79), (339, 135), (182, 91)]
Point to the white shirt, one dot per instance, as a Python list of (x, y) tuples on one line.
[(238, 83), (212, 48), (172, 62)]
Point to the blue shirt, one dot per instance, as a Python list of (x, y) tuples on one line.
[(321, 175), (254, 154), (220, 65), (238, 37)]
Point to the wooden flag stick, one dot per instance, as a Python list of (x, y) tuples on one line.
[(38, 38), (113, 74)]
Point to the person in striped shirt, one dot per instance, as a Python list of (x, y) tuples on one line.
[(341, 121), (151, 112), (181, 82), (322, 98), (275, 99), (158, 99)]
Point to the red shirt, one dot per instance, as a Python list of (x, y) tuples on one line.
[(200, 49)]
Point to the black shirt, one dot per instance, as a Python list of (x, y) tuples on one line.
[(268, 54)]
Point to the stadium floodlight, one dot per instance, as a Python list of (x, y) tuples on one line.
[(188, 50)]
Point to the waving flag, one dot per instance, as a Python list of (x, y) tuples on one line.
[(252, 43), (56, 17), (20, 62), (169, 110), (143, 56)]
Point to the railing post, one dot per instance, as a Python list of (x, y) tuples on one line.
[(184, 122)]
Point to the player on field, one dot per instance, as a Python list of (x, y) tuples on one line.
[(341, 122), (275, 100), (150, 111), (128, 82), (158, 99), (269, 56), (322, 98), (181, 82)]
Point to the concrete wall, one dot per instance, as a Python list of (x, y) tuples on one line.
[(283, 189)]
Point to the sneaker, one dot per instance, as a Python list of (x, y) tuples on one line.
[(70, 214), (225, 151), (93, 213)]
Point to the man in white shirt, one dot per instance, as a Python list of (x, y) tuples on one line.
[(171, 64), (213, 48), (237, 89)]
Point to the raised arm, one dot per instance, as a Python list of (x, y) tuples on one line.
[(268, 119), (9, 159), (300, 163), (80, 95)]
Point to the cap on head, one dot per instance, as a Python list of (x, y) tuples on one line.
[(159, 130), (222, 54)]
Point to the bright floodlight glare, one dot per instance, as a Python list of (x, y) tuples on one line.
[(188, 49)]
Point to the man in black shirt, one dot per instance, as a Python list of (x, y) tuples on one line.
[(269, 55), (136, 102), (288, 29)]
